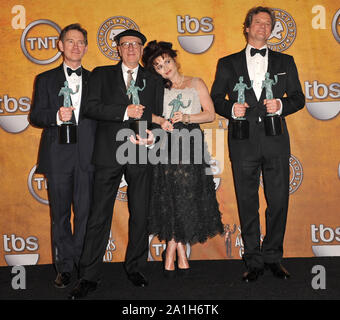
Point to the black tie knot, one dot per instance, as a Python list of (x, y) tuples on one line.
[(262, 52), (77, 71)]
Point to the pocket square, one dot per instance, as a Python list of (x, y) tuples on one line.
[(281, 73)]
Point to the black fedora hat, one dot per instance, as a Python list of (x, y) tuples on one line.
[(130, 32)]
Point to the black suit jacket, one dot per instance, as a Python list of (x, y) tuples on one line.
[(288, 89), (54, 157), (107, 102)]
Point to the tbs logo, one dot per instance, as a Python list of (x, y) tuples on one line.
[(195, 43), (322, 110), (323, 234), (10, 119), (19, 244)]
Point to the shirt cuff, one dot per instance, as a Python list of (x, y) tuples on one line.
[(232, 112), (59, 122), (279, 112), (126, 117)]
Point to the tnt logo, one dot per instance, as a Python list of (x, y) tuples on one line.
[(336, 26), (156, 249), (39, 41), (37, 186), (195, 43)]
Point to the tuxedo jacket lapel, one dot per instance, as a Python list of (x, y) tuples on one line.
[(139, 81), (272, 69), (140, 77), (119, 81), (60, 80), (242, 70), (273, 64), (85, 76)]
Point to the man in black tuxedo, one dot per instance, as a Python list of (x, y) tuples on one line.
[(109, 104), (67, 167), (269, 154)]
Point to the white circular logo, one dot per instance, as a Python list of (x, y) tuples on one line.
[(336, 26), (284, 32), (37, 185), (296, 174), (108, 30), (44, 47), (191, 41)]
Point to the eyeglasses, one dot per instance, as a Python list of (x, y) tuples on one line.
[(134, 44)]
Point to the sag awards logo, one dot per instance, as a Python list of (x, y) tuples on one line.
[(284, 32), (194, 42), (326, 240), (11, 119), (296, 174), (110, 248), (229, 231), (336, 26), (39, 41), (322, 110), (37, 186), (14, 246), (108, 30)]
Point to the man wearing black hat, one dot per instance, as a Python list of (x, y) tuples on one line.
[(109, 104)]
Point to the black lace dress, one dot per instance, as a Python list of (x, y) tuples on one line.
[(183, 202)]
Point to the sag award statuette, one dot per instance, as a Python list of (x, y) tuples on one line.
[(272, 121), (67, 130), (240, 125), (176, 104), (137, 125)]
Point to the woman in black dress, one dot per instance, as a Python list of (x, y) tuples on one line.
[(183, 207)]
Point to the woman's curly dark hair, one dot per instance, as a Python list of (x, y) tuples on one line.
[(152, 51)]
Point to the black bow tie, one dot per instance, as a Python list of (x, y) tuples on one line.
[(262, 52), (77, 71)]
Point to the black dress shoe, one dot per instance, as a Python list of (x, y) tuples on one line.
[(62, 280), (82, 288), (278, 270), (252, 274), (138, 279)]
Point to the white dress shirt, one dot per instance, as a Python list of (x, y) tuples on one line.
[(73, 81), (125, 72), (257, 68)]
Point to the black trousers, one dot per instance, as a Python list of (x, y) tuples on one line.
[(275, 174), (106, 184), (64, 190)]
